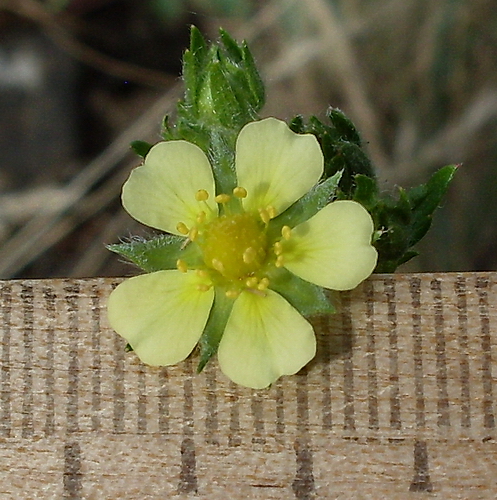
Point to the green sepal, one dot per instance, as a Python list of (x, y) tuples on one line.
[(222, 159), (223, 91), (426, 198), (214, 329), (344, 127), (307, 206), (402, 220), (157, 254), (307, 298), (341, 146), (141, 148), (366, 191)]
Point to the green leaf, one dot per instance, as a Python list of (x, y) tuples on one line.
[(141, 148), (157, 254), (214, 329), (307, 298)]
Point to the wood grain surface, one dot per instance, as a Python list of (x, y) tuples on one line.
[(399, 402)]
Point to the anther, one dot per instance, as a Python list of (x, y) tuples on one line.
[(181, 265), (202, 273), (202, 287), (271, 211), (263, 284), (279, 261), (249, 255), (278, 248), (264, 215), (232, 294), (201, 195), (222, 198), (182, 229), (286, 232), (240, 192), (251, 282), (217, 265), (193, 233), (201, 217)]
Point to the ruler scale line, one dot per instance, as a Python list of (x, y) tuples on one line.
[(348, 364), (371, 358), (6, 304), (303, 485), (257, 408), (188, 482), (324, 350), (211, 407), (421, 481), (73, 485), (441, 359), (141, 410), (27, 402), (486, 346), (415, 290), (119, 397), (50, 297), (72, 294), (163, 395), (234, 438), (96, 328), (393, 354), (462, 318)]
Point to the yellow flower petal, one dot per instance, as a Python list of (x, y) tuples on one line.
[(275, 165), (333, 248), (264, 339), (161, 192), (161, 315)]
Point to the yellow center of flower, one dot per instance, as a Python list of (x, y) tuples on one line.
[(234, 245)]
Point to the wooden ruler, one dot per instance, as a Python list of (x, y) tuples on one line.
[(399, 403)]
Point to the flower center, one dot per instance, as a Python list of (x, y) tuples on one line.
[(234, 245)]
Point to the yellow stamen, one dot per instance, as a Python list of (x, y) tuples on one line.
[(201, 217), (271, 211), (251, 282), (286, 232), (202, 287), (240, 192), (249, 255), (222, 198), (193, 233), (263, 284), (279, 261), (232, 294), (181, 265), (278, 248), (202, 273), (264, 215), (217, 265), (182, 229), (201, 195)]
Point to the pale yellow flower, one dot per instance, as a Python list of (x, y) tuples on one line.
[(236, 252)]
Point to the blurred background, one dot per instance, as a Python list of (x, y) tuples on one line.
[(81, 79)]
